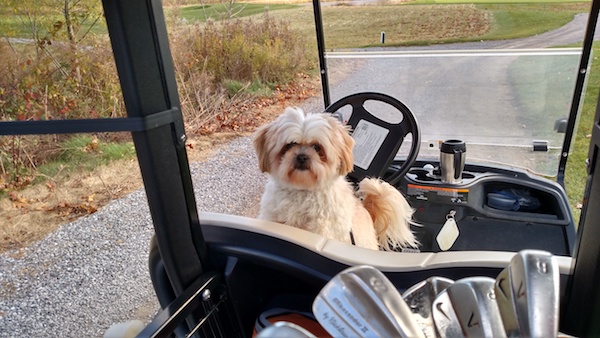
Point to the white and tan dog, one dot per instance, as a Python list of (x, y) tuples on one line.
[(307, 157)]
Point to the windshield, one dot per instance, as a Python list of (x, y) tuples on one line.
[(500, 102), (509, 101)]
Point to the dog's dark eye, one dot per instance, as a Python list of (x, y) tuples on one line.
[(288, 146), (316, 147)]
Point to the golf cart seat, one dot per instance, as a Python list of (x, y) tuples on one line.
[(262, 260)]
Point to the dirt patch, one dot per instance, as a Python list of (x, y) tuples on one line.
[(29, 214)]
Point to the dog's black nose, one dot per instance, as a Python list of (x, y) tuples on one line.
[(301, 162), (302, 158)]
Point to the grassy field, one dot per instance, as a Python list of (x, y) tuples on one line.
[(421, 24), (221, 11)]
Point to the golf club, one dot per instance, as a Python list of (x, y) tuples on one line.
[(420, 297), (534, 284), (504, 298), (467, 308), (361, 302)]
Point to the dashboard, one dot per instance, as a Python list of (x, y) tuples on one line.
[(498, 209)]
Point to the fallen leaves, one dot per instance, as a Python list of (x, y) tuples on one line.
[(247, 115), (62, 208), (17, 201), (17, 183), (69, 209), (92, 146)]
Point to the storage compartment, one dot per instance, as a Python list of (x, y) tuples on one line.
[(523, 201)]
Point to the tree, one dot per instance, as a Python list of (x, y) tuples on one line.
[(79, 16), (50, 21)]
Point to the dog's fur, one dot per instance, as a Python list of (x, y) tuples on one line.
[(307, 157)]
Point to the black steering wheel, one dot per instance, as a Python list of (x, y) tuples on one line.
[(396, 133)]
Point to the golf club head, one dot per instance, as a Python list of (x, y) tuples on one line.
[(504, 298), (420, 297), (535, 284), (467, 308), (361, 302), (444, 317)]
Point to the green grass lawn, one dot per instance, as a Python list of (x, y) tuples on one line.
[(576, 174), (82, 152), (416, 24), (20, 25), (17, 25), (223, 11), (511, 21)]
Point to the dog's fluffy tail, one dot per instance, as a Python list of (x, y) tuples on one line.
[(390, 212)]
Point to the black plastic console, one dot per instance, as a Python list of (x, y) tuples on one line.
[(495, 209)]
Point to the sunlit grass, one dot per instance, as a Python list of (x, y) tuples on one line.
[(412, 24), (224, 11), (494, 2), (84, 153)]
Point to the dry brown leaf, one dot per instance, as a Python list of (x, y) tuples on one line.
[(92, 146)]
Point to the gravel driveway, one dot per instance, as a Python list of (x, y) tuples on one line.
[(92, 273)]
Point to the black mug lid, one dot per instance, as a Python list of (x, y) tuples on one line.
[(451, 146)]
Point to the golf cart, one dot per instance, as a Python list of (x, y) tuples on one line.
[(215, 274)]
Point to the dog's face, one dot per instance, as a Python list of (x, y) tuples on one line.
[(304, 151)]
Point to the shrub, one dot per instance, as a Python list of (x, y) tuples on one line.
[(220, 64), (52, 82), (242, 50), (46, 84)]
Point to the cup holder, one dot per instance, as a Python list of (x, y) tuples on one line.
[(467, 176), (424, 175)]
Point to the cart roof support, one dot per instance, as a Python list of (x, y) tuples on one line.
[(140, 44)]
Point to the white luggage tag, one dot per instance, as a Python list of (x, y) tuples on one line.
[(448, 233)]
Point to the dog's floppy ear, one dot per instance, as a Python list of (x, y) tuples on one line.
[(347, 164), (345, 144), (259, 140)]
